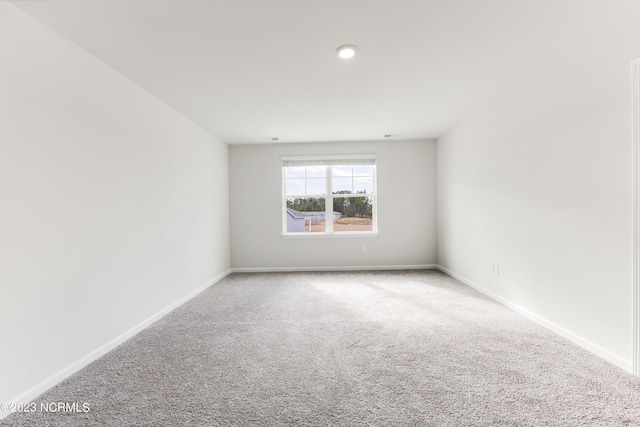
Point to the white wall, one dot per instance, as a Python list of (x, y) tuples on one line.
[(540, 182), (113, 206), (406, 208)]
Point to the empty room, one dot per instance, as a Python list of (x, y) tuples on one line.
[(355, 212)]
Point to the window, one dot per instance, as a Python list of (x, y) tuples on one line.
[(329, 195)]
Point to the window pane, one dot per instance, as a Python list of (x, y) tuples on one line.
[(305, 180), (342, 185), (306, 215), (363, 170), (316, 171), (342, 170), (294, 172), (295, 187), (351, 191), (355, 214), (363, 185), (316, 186)]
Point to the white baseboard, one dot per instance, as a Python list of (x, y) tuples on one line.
[(335, 268), (65, 373), (45, 385), (576, 339)]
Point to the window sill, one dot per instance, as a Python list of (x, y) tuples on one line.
[(341, 234)]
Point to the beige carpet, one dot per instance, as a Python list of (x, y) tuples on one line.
[(370, 348)]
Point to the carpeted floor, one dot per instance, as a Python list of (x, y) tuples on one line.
[(370, 348)]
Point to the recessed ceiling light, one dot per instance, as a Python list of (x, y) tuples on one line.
[(347, 51)]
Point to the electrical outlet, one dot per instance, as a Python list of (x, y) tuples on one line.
[(495, 268)]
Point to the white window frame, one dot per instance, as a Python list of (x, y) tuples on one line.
[(328, 161)]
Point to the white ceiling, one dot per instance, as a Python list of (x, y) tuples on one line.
[(248, 69)]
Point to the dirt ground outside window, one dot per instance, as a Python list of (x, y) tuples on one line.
[(345, 224)]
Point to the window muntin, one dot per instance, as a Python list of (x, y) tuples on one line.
[(354, 179), (329, 196), (305, 180)]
